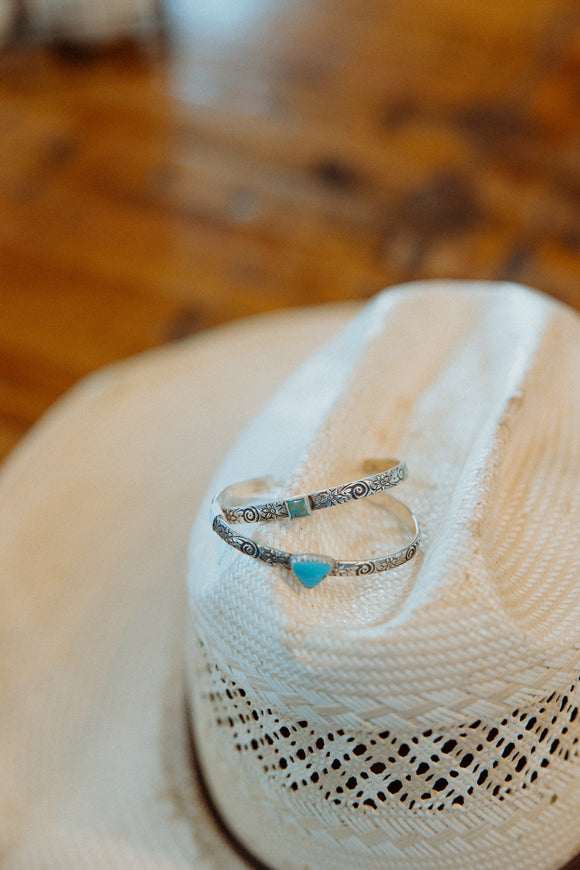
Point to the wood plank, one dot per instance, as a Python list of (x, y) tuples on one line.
[(155, 189)]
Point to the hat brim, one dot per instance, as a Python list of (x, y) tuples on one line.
[(96, 506)]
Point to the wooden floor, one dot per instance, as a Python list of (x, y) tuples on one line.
[(265, 154)]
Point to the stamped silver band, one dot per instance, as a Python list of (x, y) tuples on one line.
[(311, 568), (232, 501)]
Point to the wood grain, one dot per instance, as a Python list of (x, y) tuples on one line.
[(309, 152)]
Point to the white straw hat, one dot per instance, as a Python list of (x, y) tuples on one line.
[(424, 717)]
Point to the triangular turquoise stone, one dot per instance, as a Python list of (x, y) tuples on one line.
[(311, 573)]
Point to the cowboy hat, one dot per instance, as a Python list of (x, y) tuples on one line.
[(358, 683)]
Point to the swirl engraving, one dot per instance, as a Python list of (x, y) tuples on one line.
[(359, 489), (250, 514), (248, 547)]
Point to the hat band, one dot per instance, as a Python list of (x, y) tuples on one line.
[(253, 862), (231, 501)]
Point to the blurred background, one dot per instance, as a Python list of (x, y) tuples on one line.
[(169, 165)]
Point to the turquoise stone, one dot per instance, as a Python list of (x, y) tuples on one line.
[(297, 507), (311, 573)]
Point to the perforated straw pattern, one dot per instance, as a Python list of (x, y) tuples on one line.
[(344, 797), (427, 772), (428, 716)]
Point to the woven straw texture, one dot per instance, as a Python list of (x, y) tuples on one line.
[(96, 508), (427, 716)]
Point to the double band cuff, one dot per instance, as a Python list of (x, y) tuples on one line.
[(311, 568), (231, 500)]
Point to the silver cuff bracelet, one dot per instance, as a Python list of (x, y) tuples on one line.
[(311, 568), (232, 501)]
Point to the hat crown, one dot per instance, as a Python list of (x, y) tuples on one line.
[(362, 702)]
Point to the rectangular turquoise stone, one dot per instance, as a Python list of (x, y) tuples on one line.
[(297, 507)]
